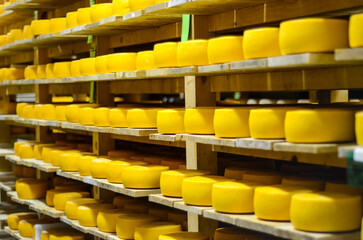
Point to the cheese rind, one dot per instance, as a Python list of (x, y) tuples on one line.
[(58, 24), (30, 188), (71, 19), (136, 5), (62, 69), (199, 120), (15, 218), (60, 199), (192, 53), (87, 66), (305, 182), (86, 116), (26, 226), (39, 27), (101, 117), (114, 171), (231, 122), (145, 60), (142, 118), (118, 117), (152, 231), (127, 223), (165, 54), (121, 62), (359, 128), (98, 167), (87, 213), (84, 165), (355, 30), (225, 49), (100, 11), (170, 121), (267, 123), (84, 16), (106, 219), (184, 236), (150, 176), (71, 206), (69, 161)]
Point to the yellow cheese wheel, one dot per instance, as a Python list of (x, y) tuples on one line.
[(199, 120), (84, 165), (106, 219), (304, 182), (30, 72), (26, 226), (152, 230), (120, 7), (26, 151), (170, 121), (58, 24), (122, 200), (20, 108), (121, 62), (136, 5), (39, 27), (60, 199), (359, 128), (192, 53), (118, 117), (60, 113), (231, 122), (16, 34), (27, 32), (230, 233), (142, 118), (151, 176), (184, 235), (84, 16), (86, 115), (332, 125), (49, 198), (56, 155), (71, 19), (273, 202), (48, 112), (87, 213), (101, 63), (225, 49), (326, 212), (267, 123), (75, 68), (3, 40), (98, 167), (343, 188), (15, 218), (165, 54), (234, 197), (17, 170), (46, 152), (268, 178), (18, 144), (49, 71), (172, 163), (41, 71), (145, 60), (355, 31), (62, 69), (314, 35), (100, 11), (66, 235), (15, 73), (114, 170), (261, 43), (87, 66), (198, 190), (171, 181), (72, 113), (28, 111), (71, 206), (29, 172), (69, 161), (127, 223), (38, 111), (30, 188), (101, 117), (38, 148)]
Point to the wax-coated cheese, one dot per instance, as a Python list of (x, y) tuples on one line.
[(56, 154), (326, 212), (101, 64), (303, 181), (30, 188), (122, 200), (48, 112), (126, 224), (184, 236), (98, 167), (170, 121), (152, 230), (71, 206), (29, 172), (84, 165), (101, 117), (86, 116), (62, 69), (17, 170), (165, 54), (233, 197), (145, 60), (106, 219), (16, 34), (60, 199), (230, 233), (225, 49), (41, 71), (39, 27), (359, 128), (49, 198), (20, 108), (231, 122), (18, 144), (313, 35), (171, 181), (114, 171), (192, 53), (136, 5), (47, 150), (302, 126), (198, 190), (69, 161), (120, 7), (75, 68), (66, 235), (267, 123), (71, 19), (100, 11), (268, 178), (26, 151), (72, 113), (87, 66), (84, 16), (26, 226), (60, 113), (49, 71), (38, 111), (199, 120), (355, 30), (27, 32), (87, 213), (142, 118), (15, 218), (121, 62), (30, 72), (58, 24), (118, 117), (150, 176), (28, 111)]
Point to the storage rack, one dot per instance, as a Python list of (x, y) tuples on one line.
[(328, 77)]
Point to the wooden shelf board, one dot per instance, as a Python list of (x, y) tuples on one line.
[(15, 234), (166, 137), (349, 54), (7, 117), (210, 139), (252, 143), (39, 164), (302, 60), (167, 201), (314, 148), (7, 186), (11, 15), (189, 208), (343, 151), (6, 151)]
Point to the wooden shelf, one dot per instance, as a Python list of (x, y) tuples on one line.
[(7, 117), (15, 234), (349, 54), (10, 15), (35, 4), (166, 201), (39, 164)]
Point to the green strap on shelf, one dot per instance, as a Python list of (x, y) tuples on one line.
[(185, 27), (93, 54)]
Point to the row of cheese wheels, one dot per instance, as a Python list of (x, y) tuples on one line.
[(270, 196), (295, 124)]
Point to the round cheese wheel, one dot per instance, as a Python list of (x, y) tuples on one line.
[(326, 212), (30, 72), (120, 7), (359, 128), (20, 108), (39, 27), (56, 155), (261, 43), (46, 152), (122, 200), (27, 32), (62, 69), (118, 117), (152, 230), (225, 49), (100, 11), (355, 31), (38, 111), (29, 172), (101, 117), (184, 236), (192, 53), (49, 198), (136, 5), (127, 223), (87, 66), (71, 19), (267, 178), (86, 115), (230, 233), (58, 24), (72, 113), (101, 63), (114, 171), (304, 182), (75, 68), (231, 122), (30, 188), (14, 73), (17, 170), (60, 199), (28, 111), (60, 113), (41, 71), (26, 151), (16, 34), (314, 35), (68, 162), (171, 181), (15, 218), (71, 206), (26, 226), (87, 213), (49, 71), (121, 62), (48, 112), (98, 167), (84, 16), (145, 60), (170, 121), (267, 123), (234, 197), (165, 54), (151, 176), (69, 235), (198, 190), (106, 219), (199, 120), (332, 125), (84, 165), (142, 118), (18, 144)]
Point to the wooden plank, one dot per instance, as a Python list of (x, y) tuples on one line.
[(189, 208), (146, 139), (349, 54), (302, 60), (343, 151), (251, 143), (15, 234), (166, 137), (210, 139), (39, 164), (167, 201), (7, 186), (307, 147)]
